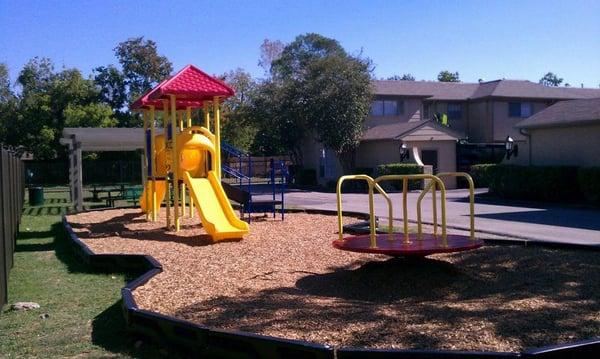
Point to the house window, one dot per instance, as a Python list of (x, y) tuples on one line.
[(520, 109), (425, 111), (454, 110), (387, 108)]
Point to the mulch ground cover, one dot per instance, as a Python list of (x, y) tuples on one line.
[(285, 279)]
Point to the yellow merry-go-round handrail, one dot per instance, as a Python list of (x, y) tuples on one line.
[(405, 179), (371, 185), (431, 186)]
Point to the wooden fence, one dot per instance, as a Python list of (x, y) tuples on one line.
[(11, 205)]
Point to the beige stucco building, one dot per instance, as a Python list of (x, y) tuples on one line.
[(564, 134), (480, 115)]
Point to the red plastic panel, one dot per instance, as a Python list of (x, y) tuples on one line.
[(395, 245)]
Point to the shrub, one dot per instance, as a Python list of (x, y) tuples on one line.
[(306, 177), (588, 180), (400, 169), (482, 174), (541, 183)]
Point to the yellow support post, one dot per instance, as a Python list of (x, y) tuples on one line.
[(206, 108), (153, 164), (175, 160), (147, 195), (180, 120), (405, 209), (169, 164), (434, 208), (188, 111), (217, 118)]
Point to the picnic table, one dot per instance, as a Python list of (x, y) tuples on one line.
[(115, 193)]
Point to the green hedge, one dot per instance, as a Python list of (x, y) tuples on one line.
[(400, 169), (589, 183), (539, 183), (482, 174)]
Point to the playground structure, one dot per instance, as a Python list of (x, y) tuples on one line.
[(186, 157), (407, 244)]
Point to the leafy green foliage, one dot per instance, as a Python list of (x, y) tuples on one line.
[(588, 180), (447, 76), (237, 127), (539, 183), (405, 77), (400, 169), (50, 101), (141, 64), (320, 89), (482, 174), (551, 79)]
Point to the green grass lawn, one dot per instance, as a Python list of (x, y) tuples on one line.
[(83, 307)]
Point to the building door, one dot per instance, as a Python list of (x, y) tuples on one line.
[(430, 157)]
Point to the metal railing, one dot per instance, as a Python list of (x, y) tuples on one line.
[(432, 187), (373, 184)]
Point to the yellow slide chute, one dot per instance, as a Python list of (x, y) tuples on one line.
[(195, 148)]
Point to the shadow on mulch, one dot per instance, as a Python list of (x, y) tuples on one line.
[(529, 297), (118, 224)]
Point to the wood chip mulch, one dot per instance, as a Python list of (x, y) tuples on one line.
[(284, 279)]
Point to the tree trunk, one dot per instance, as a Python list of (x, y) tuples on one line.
[(348, 161)]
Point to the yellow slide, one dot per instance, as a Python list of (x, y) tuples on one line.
[(161, 189), (216, 213)]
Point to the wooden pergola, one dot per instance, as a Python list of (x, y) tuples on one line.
[(82, 139)]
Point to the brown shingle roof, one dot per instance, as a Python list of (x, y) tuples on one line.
[(565, 113), (460, 91), (396, 130)]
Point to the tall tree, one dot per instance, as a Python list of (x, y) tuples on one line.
[(404, 77), (324, 91), (141, 64), (8, 103), (237, 127), (270, 50), (112, 86), (447, 76), (551, 79), (49, 100)]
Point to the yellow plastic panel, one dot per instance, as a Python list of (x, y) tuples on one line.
[(160, 187)]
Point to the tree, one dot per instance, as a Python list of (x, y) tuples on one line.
[(111, 82), (550, 79), (269, 52), (405, 77), (141, 64), (321, 90), (447, 76), (51, 100), (8, 103), (237, 127)]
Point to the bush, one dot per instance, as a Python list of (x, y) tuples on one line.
[(540, 183), (401, 169), (588, 180), (306, 177), (482, 174)]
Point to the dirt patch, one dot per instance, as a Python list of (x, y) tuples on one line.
[(284, 279)]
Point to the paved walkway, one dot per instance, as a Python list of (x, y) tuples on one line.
[(523, 221)]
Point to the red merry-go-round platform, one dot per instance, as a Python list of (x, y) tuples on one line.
[(396, 245)]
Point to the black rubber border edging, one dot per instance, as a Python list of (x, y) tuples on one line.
[(203, 341)]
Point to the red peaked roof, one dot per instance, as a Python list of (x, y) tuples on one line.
[(191, 84), (146, 102)]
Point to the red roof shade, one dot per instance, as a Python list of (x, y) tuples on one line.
[(146, 102), (191, 84)]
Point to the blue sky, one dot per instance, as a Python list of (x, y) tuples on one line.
[(479, 39)]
